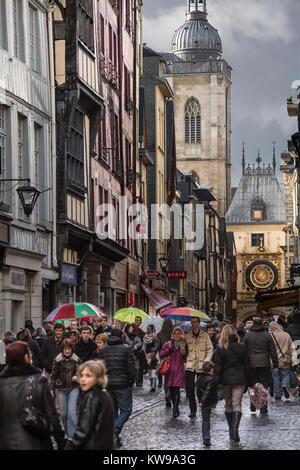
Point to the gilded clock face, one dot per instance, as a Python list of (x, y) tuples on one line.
[(262, 275)]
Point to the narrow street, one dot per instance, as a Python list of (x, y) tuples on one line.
[(151, 426)]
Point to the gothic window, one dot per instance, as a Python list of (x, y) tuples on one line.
[(192, 122)]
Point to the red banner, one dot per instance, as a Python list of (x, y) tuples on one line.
[(176, 274), (151, 274)]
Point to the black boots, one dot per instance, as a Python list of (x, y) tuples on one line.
[(153, 385), (168, 402), (229, 417), (176, 405), (236, 423), (206, 442)]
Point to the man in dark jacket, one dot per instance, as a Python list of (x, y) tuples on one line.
[(261, 351), (25, 335), (51, 347), (120, 364), (207, 393), (294, 327), (86, 347)]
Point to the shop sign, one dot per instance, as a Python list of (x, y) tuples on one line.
[(151, 274), (69, 274), (176, 274)]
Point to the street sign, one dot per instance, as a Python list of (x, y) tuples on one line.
[(151, 274), (176, 274), (213, 306)]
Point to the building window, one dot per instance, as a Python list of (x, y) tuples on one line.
[(3, 130), (86, 23), (258, 209), (37, 167), (33, 38), (18, 30), (258, 239), (76, 151), (3, 25), (192, 122), (23, 169)]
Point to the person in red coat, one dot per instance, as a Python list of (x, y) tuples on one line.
[(175, 379)]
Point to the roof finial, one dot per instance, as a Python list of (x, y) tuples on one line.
[(259, 159), (194, 5), (274, 156), (243, 160)]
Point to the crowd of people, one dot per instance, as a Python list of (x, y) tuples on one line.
[(72, 387)]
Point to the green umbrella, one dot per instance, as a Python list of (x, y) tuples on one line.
[(129, 314)]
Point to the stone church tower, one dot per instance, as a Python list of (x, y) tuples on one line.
[(201, 81)]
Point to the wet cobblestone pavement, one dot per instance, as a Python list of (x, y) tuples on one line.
[(151, 426)]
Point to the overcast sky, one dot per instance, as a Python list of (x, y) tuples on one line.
[(261, 41)]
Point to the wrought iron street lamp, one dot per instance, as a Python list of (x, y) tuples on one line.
[(164, 263), (28, 194)]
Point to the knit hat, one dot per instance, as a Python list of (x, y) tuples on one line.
[(16, 352)]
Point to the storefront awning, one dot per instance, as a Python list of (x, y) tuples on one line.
[(279, 298), (159, 302)]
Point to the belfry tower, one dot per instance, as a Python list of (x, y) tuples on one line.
[(201, 81)]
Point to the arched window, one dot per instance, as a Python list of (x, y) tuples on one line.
[(192, 122)]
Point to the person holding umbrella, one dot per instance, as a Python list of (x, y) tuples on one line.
[(150, 348)]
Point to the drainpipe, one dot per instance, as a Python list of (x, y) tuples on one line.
[(50, 9)]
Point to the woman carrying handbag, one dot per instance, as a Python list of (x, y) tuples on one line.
[(175, 376)]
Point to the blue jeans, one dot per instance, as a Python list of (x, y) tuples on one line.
[(206, 412), (281, 378), (122, 400), (68, 409)]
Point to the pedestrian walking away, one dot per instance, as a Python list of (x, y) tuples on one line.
[(231, 371), (63, 380), (120, 364), (207, 393), (175, 378), (199, 349), (95, 427), (285, 350), (261, 351), (21, 383)]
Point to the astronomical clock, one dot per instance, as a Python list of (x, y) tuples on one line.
[(260, 272)]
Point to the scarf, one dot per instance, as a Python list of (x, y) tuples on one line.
[(148, 339)]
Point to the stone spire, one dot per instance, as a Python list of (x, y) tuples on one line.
[(274, 157), (243, 159)]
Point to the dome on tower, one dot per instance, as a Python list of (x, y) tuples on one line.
[(196, 39)]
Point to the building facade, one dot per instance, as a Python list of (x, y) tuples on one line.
[(257, 217), (201, 82), (27, 130)]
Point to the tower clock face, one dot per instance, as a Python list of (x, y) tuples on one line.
[(261, 275)]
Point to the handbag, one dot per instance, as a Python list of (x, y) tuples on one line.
[(165, 365), (31, 418), (258, 395)]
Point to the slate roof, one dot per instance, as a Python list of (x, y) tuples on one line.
[(257, 185)]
